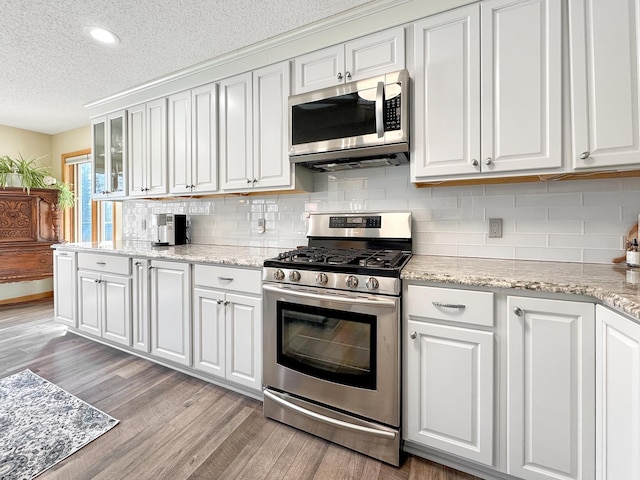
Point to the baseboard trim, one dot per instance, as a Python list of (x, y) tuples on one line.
[(26, 298)]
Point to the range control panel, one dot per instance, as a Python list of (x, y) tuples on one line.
[(369, 221)]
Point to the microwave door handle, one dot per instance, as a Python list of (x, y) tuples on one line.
[(380, 109)]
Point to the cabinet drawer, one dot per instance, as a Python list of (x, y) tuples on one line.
[(104, 263), (450, 304), (236, 279)]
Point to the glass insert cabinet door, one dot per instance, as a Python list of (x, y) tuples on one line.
[(109, 156)]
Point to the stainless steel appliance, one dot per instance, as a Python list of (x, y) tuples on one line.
[(332, 331), (359, 124), (169, 229)]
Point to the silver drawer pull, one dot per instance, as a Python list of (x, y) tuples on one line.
[(61, 254), (101, 263), (225, 279), (449, 305)]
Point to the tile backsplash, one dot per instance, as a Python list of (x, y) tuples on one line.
[(572, 221)]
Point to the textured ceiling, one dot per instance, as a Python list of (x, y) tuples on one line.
[(49, 68)]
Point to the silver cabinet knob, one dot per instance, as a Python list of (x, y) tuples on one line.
[(339, 75), (518, 311), (348, 75), (248, 180), (475, 162), (585, 155), (413, 335), (488, 161), (219, 302)]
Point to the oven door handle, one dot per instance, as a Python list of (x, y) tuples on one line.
[(330, 298), (330, 421)]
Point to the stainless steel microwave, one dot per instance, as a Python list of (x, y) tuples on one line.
[(361, 123)]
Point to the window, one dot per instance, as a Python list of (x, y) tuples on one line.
[(88, 221)]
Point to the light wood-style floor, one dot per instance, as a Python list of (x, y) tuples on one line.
[(173, 426)]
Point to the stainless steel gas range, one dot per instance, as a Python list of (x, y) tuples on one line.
[(332, 331)]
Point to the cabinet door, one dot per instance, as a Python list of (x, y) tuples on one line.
[(99, 157), (244, 340), (375, 54), (117, 153), (209, 331), (156, 161), (447, 94), (272, 167), (64, 287), (140, 305), (551, 390), (450, 388), (179, 127), (521, 85), (605, 54), (89, 303), (137, 150), (319, 69), (204, 126), (116, 308), (617, 396), (171, 311), (236, 136)]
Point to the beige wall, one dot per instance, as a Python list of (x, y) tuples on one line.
[(14, 141)]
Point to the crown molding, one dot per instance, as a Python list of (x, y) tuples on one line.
[(368, 18)]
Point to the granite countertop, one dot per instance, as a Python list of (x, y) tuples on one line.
[(233, 255), (612, 284), (617, 286)]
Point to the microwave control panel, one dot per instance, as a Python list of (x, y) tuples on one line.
[(392, 113)]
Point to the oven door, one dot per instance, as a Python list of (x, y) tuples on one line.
[(340, 349)]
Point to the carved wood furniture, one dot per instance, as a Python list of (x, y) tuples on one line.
[(29, 225)]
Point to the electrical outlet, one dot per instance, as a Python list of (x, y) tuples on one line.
[(262, 225), (495, 228)]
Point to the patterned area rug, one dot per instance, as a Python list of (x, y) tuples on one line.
[(41, 424)]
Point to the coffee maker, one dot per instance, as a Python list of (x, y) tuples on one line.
[(169, 229)]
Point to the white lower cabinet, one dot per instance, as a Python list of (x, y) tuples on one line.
[(449, 372), (617, 396), (140, 305), (170, 325), (550, 389), (64, 287), (105, 306), (228, 326)]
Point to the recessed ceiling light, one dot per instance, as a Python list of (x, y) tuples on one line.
[(102, 35)]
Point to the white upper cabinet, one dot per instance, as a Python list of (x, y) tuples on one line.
[(375, 54), (236, 132), (488, 90), (109, 160), (271, 88), (604, 52), (253, 130), (193, 141), (147, 135)]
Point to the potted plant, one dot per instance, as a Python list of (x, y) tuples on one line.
[(28, 174)]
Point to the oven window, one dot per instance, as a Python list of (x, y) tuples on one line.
[(334, 345)]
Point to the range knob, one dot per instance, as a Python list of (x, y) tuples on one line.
[(294, 276), (278, 274), (322, 279), (372, 283), (351, 281)]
